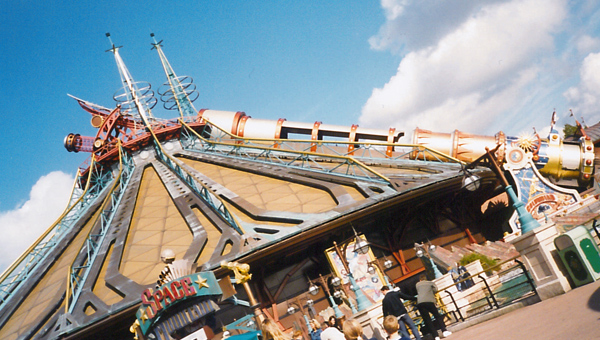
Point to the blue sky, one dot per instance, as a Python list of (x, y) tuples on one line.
[(476, 66)]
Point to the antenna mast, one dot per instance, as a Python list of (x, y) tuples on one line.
[(178, 92), (132, 97)]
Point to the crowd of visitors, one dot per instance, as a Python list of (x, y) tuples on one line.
[(396, 323)]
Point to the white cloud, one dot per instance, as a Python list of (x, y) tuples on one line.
[(409, 22), (587, 44), (394, 8), (22, 226), (474, 73), (585, 98)]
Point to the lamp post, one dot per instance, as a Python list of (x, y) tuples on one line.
[(242, 275), (471, 181), (310, 306), (387, 264), (341, 289), (338, 313), (306, 319), (528, 223), (361, 300), (423, 254)]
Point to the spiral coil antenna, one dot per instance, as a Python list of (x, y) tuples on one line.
[(169, 97), (178, 92), (137, 97), (145, 95)]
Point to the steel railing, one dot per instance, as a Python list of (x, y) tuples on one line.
[(80, 268), (331, 157), (79, 202), (493, 288)]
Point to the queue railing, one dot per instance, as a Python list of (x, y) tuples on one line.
[(490, 289)]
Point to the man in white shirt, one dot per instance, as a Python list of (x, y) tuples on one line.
[(331, 333)]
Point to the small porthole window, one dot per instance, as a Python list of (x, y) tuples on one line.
[(376, 189)]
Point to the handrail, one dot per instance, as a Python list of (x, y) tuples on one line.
[(68, 210), (494, 294), (487, 286), (221, 210), (304, 141), (481, 272), (455, 305), (92, 255), (35, 243), (529, 279), (41, 237), (205, 192), (302, 153)]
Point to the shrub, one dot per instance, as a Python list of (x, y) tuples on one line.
[(486, 262)]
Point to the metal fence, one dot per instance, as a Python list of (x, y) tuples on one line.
[(504, 284), (493, 288)]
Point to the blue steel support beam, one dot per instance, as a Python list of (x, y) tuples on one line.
[(79, 274), (22, 268)]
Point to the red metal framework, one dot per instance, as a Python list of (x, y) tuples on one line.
[(116, 126)]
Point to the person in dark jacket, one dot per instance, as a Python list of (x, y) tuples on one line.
[(392, 304)]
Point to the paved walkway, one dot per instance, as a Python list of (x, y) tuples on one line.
[(574, 315)]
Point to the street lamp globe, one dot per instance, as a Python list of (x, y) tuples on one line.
[(420, 252), (471, 182), (388, 264), (361, 246)]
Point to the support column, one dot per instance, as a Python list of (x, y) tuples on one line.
[(537, 249)]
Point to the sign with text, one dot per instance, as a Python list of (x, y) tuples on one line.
[(199, 289)]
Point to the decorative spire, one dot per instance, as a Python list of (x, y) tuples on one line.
[(178, 92), (135, 97)]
